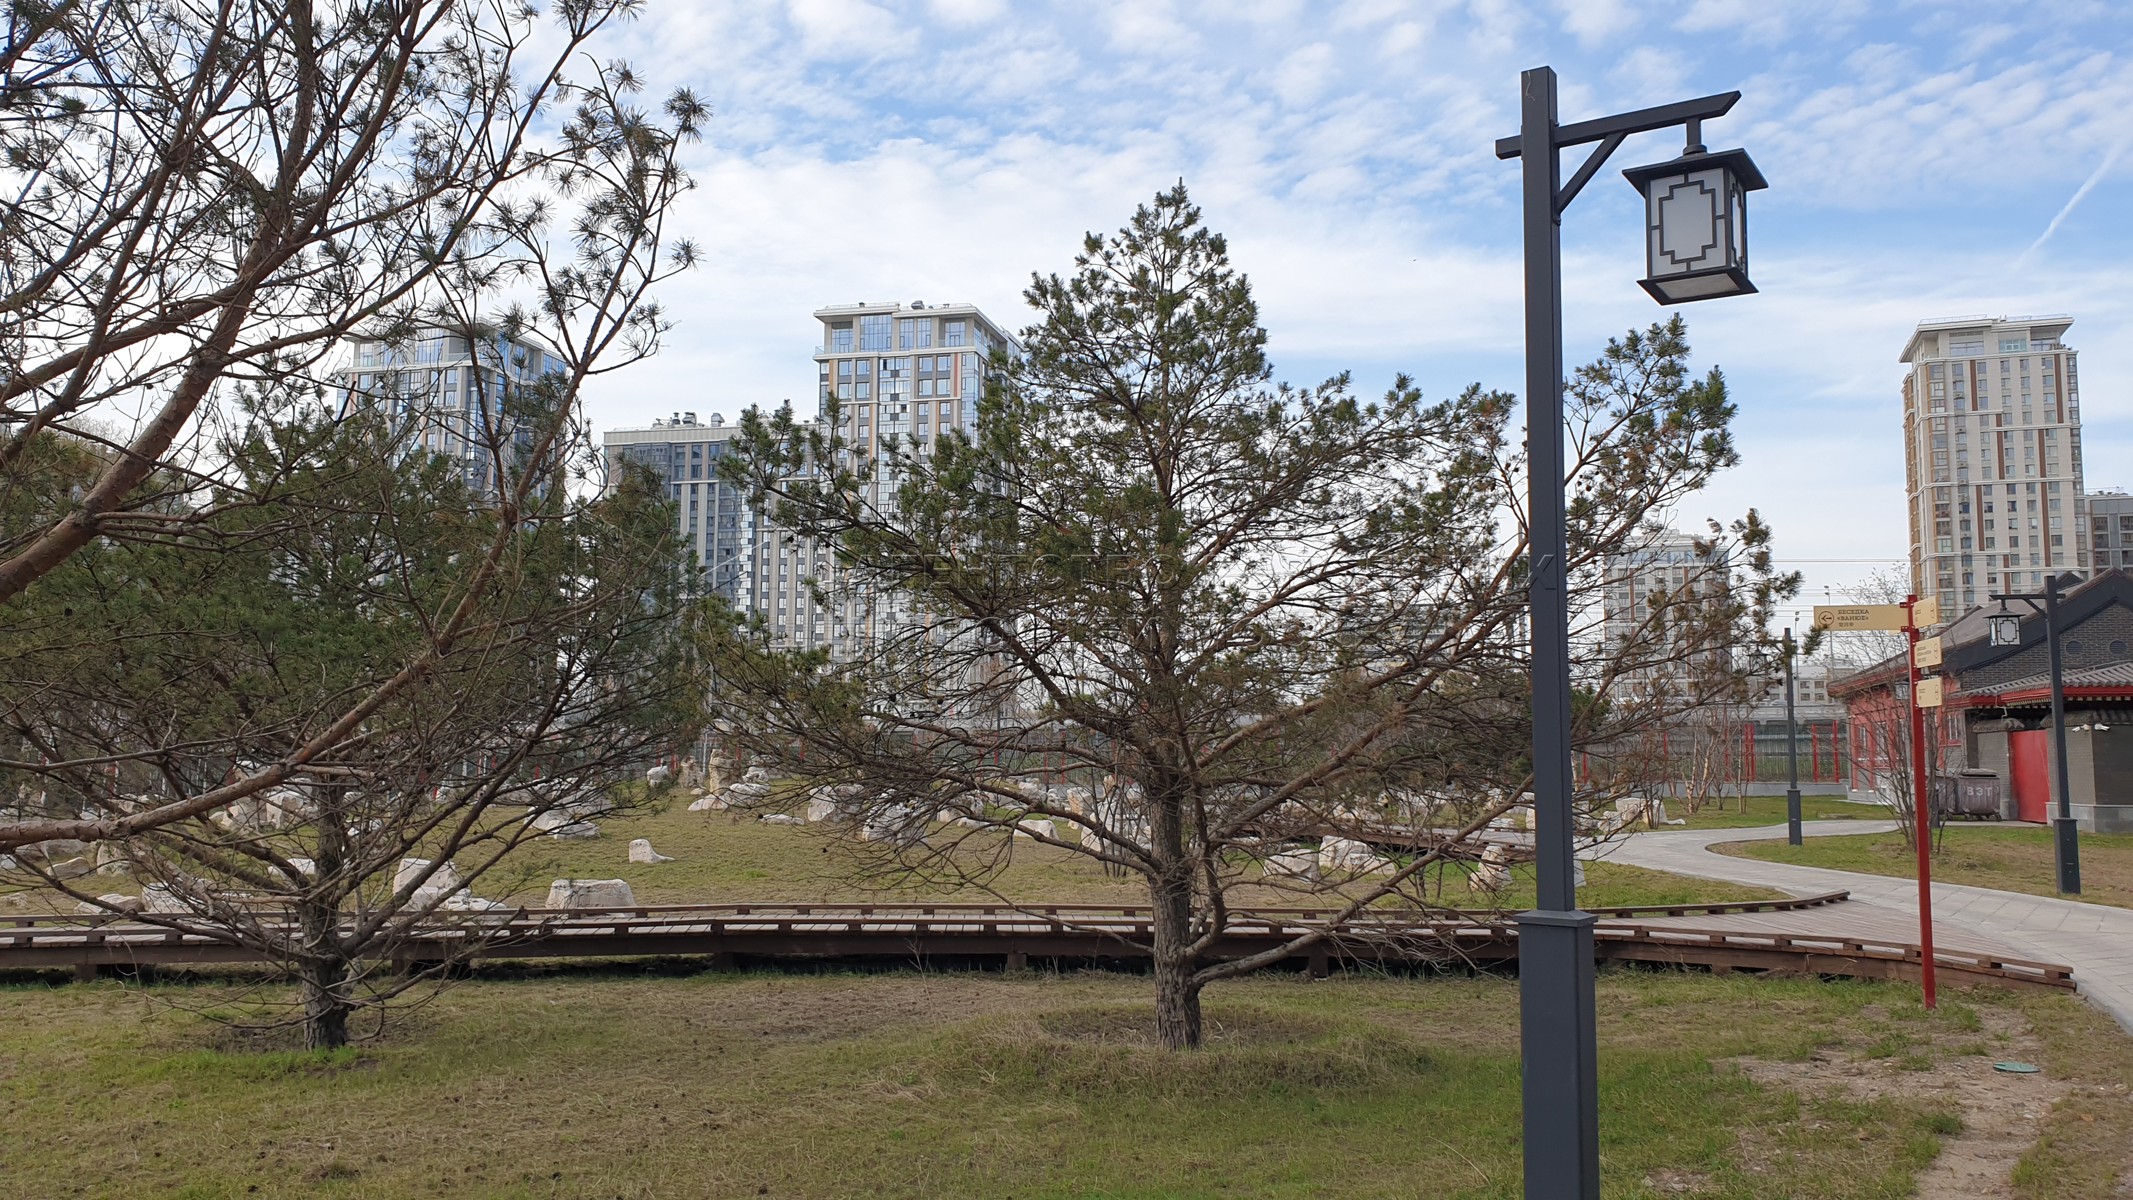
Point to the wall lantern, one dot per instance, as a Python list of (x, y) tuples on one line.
[(1696, 223), (2005, 629)]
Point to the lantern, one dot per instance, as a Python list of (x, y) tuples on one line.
[(1696, 224), (2005, 629)]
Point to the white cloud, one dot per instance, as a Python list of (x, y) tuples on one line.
[(848, 28), (1303, 75), (1346, 152), (1595, 21), (968, 12)]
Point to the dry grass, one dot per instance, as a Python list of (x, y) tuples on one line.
[(2011, 859), (584, 1084), (723, 858)]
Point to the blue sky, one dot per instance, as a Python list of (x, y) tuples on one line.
[(1917, 154)]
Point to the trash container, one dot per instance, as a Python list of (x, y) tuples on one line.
[(1976, 794)]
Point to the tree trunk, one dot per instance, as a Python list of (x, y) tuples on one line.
[(326, 1005), (1177, 993), (322, 971)]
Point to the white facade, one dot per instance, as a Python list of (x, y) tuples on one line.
[(909, 371), (713, 516), (1655, 574), (1992, 457), (449, 393)]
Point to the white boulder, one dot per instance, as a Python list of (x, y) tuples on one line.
[(641, 852), (562, 823), (1295, 864), (464, 900), (710, 803), (109, 902), (1350, 856), (1036, 827), (1494, 872), (658, 775), (159, 898), (411, 871), (780, 819), (820, 808), (598, 894), (756, 775)]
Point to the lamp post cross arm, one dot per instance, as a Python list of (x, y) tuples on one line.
[(1621, 125)]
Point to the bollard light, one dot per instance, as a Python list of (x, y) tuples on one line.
[(1696, 224)]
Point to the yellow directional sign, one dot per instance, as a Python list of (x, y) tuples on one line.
[(1926, 612), (1842, 617), (1927, 653), (1929, 692)]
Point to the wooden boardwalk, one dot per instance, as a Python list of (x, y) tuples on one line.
[(1813, 935)]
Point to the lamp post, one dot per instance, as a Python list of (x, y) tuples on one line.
[(1696, 249), (2007, 631), (1792, 752)]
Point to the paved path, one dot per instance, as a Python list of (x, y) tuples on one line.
[(2096, 940)]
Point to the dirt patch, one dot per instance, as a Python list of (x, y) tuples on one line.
[(2002, 1114)]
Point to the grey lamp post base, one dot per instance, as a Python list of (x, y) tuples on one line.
[(1560, 1065), (2068, 842), (1792, 816)]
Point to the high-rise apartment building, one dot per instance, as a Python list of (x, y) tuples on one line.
[(1992, 457), (714, 516), (1658, 574), (909, 371), (2110, 530), (449, 394)]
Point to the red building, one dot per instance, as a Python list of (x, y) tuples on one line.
[(1997, 711)]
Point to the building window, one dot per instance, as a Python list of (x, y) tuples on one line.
[(874, 332), (914, 333), (952, 333)]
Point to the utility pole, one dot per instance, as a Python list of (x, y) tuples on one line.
[(1792, 752)]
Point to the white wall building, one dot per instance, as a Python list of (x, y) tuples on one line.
[(911, 371), (1992, 457), (714, 516), (1655, 574), (450, 393)]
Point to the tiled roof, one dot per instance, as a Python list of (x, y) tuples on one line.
[(2108, 675)]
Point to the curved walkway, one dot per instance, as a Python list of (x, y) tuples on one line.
[(2096, 940)]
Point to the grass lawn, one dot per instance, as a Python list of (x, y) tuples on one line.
[(2014, 860), (1770, 810), (722, 859), (639, 1084)]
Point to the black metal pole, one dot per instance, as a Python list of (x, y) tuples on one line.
[(2067, 841), (1792, 753), (1558, 1033)]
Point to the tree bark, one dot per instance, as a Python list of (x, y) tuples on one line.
[(322, 971), (326, 1005), (1177, 992)]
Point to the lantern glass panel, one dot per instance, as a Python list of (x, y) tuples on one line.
[(1696, 225), (1687, 219)]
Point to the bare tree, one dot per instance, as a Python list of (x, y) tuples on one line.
[(1162, 614), (582, 670), (267, 665), (207, 197), (1881, 716)]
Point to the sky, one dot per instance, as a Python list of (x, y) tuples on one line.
[(1925, 160)]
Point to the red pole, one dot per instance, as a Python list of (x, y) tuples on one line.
[(1747, 737), (1921, 810)]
